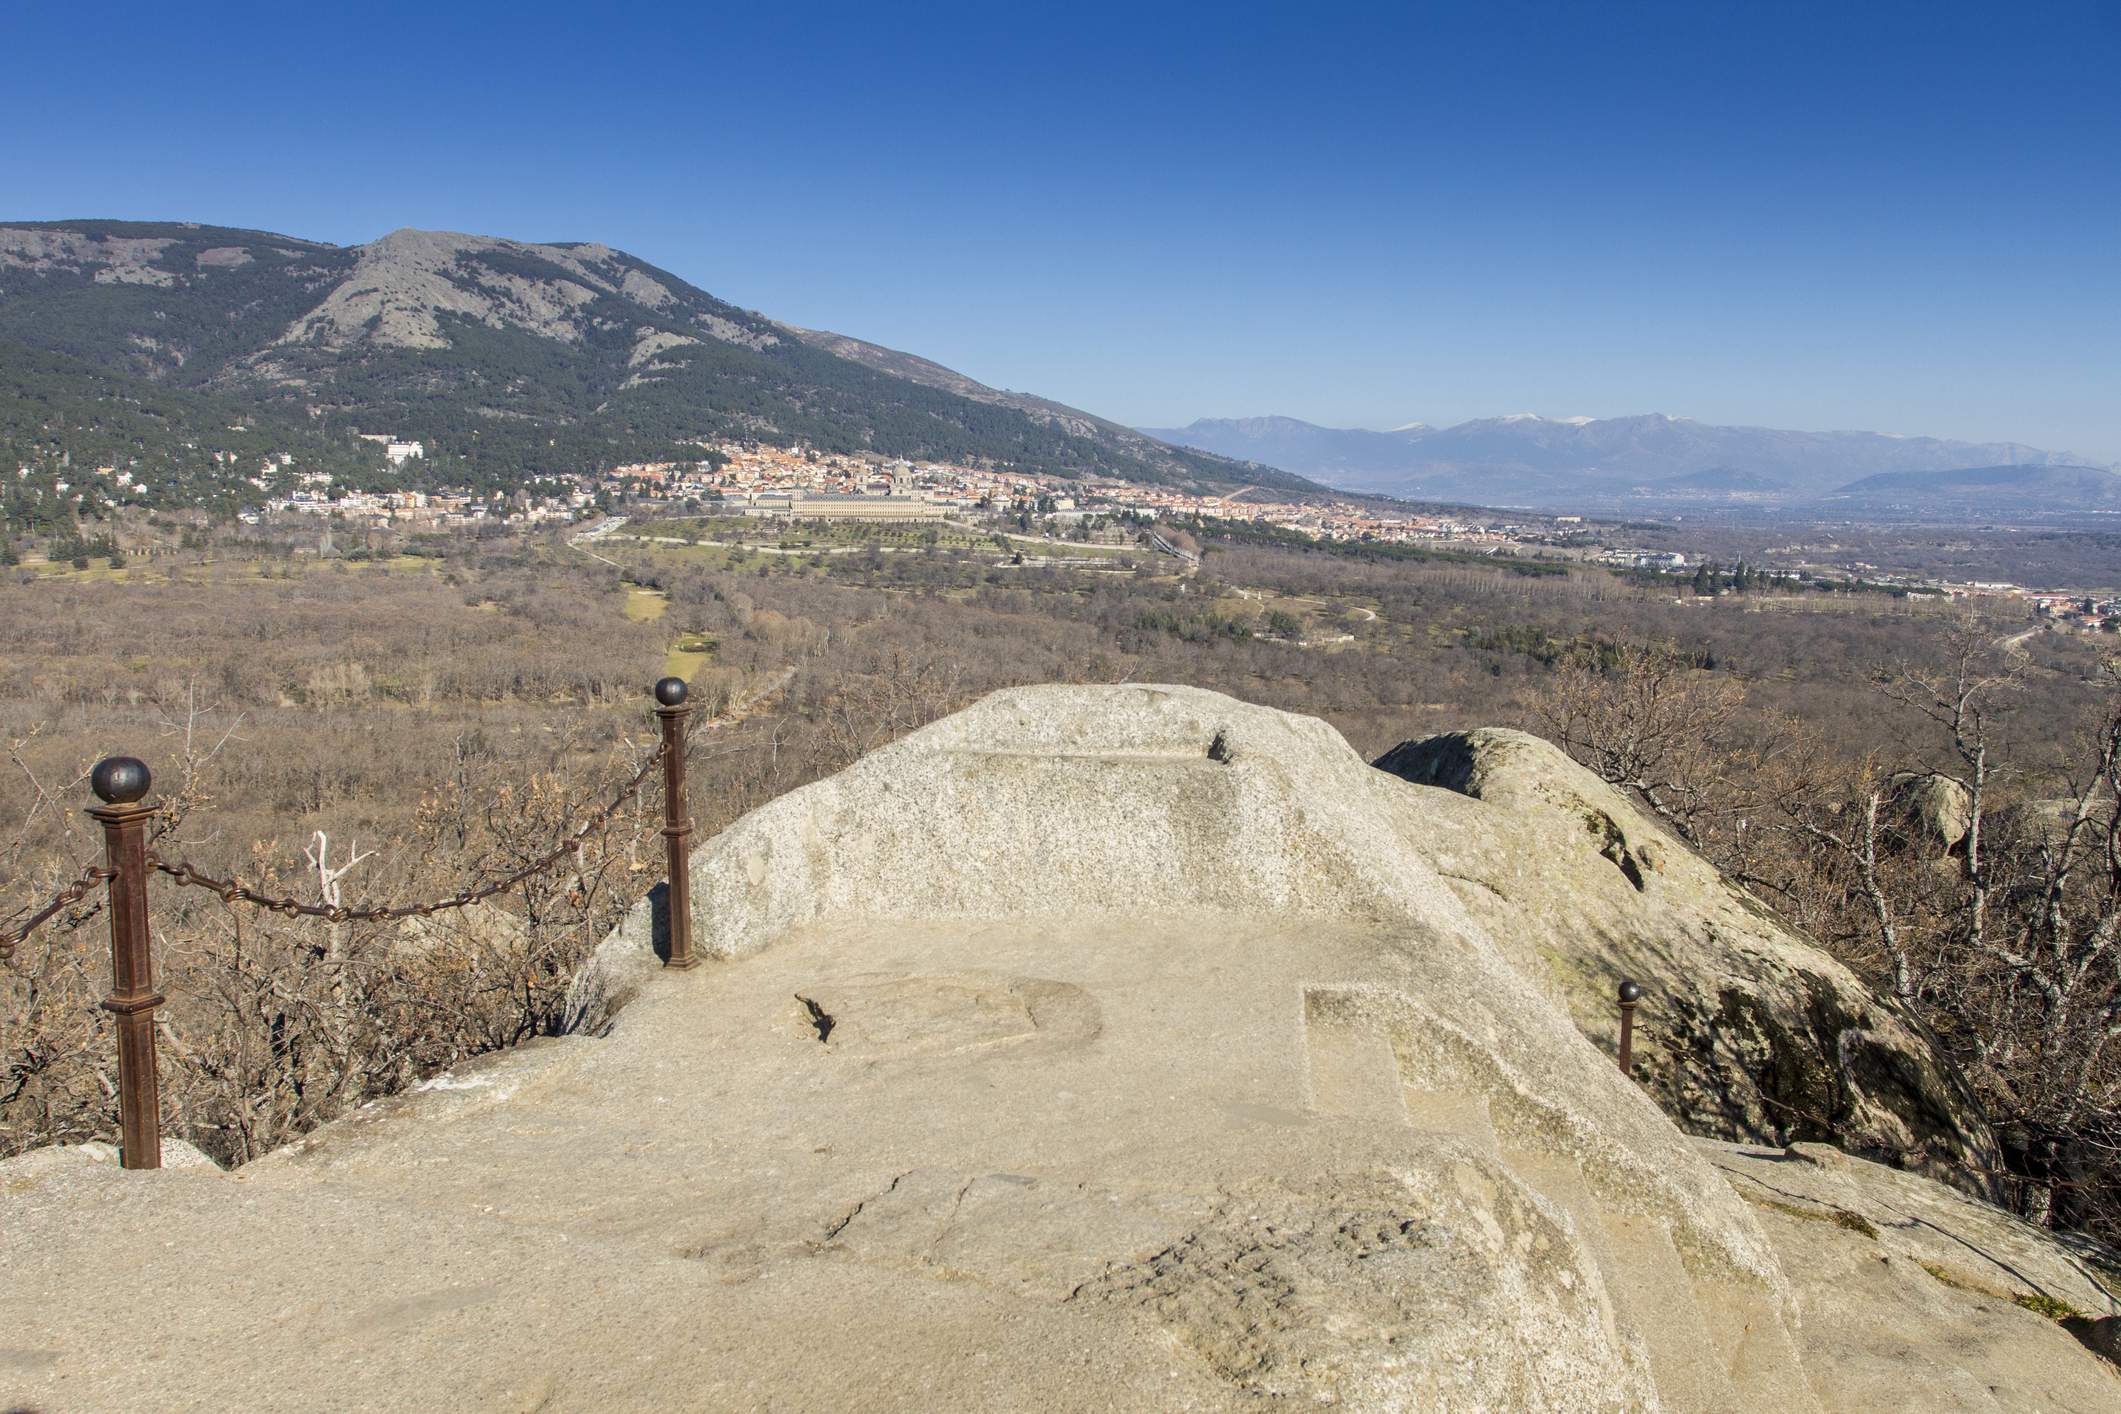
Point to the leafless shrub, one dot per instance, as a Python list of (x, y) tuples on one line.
[(2000, 931)]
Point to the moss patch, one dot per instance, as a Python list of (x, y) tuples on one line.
[(2039, 1303), (1839, 1217)]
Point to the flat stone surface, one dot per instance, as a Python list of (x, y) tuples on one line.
[(1027, 1167)]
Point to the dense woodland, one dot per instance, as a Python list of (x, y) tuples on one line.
[(391, 727)]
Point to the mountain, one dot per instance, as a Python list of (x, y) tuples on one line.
[(1339, 456), (1975, 488), (1619, 462), (508, 357), (1073, 421)]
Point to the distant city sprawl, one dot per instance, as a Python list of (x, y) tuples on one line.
[(60, 512)]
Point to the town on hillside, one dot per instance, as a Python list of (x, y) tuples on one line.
[(795, 483)]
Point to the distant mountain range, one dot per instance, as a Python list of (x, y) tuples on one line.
[(1661, 462), (203, 344), (519, 358)]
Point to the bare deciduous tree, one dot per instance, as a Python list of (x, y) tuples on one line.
[(2005, 939)]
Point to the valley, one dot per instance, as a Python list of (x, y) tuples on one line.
[(1661, 464), (1162, 708)]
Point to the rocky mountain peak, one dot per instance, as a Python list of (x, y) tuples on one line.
[(554, 357)]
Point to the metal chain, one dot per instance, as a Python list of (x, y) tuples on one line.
[(66, 898), (233, 892)]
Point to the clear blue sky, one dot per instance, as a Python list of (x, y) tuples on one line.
[(1901, 217)]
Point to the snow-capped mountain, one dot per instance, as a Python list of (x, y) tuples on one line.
[(1530, 459)]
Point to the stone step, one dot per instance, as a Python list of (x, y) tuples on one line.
[(1354, 1074), (1556, 1178), (1759, 1355), (1759, 1352), (1462, 1114), (1653, 1287)]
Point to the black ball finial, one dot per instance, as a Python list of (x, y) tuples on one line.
[(120, 780), (1630, 990), (670, 692)]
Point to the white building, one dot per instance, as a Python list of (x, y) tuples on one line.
[(400, 450)]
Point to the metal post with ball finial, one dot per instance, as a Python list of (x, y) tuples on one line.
[(1630, 993), (671, 710), (121, 783)]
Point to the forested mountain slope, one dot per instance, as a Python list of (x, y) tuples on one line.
[(514, 357)]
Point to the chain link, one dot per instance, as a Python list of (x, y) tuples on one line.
[(67, 897), (231, 891)]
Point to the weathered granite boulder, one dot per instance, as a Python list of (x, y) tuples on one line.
[(1094, 1049), (1929, 811), (1747, 1031), (1885, 1264)]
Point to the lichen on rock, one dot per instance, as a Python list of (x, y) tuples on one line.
[(1748, 1031)]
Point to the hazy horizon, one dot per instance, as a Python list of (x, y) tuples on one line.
[(1440, 423)]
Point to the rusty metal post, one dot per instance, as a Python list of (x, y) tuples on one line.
[(677, 825), (1630, 993), (120, 782)]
